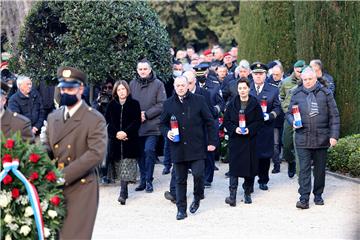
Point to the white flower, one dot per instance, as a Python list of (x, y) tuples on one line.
[(46, 232), (52, 214), (8, 237), (28, 212), (23, 200), (24, 230), (44, 205), (8, 218), (12, 226), (5, 198)]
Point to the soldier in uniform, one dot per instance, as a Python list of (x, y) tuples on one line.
[(76, 138), (13, 122)]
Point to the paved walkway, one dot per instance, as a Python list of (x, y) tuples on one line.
[(272, 215)]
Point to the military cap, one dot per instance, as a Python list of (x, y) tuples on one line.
[(201, 68), (207, 52), (227, 54), (4, 88), (257, 67), (70, 77), (299, 64), (271, 64)]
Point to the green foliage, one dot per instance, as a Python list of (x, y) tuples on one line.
[(345, 156), (199, 22), (266, 31), (105, 39)]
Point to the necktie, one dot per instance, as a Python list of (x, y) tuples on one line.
[(257, 90)]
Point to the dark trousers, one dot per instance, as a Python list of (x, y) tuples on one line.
[(248, 184), (167, 156), (181, 172), (173, 183), (148, 158), (306, 156), (277, 147), (209, 167), (264, 166), (288, 143)]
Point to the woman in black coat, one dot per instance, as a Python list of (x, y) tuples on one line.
[(123, 116), (242, 146)]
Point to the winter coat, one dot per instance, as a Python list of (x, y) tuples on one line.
[(317, 130), (150, 93), (31, 107), (243, 161), (194, 118), (265, 138), (127, 118), (286, 87)]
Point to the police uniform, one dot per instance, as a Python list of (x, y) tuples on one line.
[(78, 146), (13, 122)]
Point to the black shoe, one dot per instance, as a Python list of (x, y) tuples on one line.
[(170, 197), (194, 206), (216, 168), (263, 186), (202, 197), (207, 184), (291, 169), (149, 187), (318, 200), (121, 200), (231, 201), (247, 199), (227, 174), (275, 170), (166, 171), (181, 215), (302, 204), (141, 187)]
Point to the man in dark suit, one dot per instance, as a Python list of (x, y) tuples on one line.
[(13, 122), (76, 139), (193, 115), (265, 138)]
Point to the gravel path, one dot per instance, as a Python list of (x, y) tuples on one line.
[(272, 215)]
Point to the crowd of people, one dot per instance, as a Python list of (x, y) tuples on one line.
[(122, 135)]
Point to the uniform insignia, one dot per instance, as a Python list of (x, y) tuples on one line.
[(66, 73), (258, 65), (61, 166), (15, 114)]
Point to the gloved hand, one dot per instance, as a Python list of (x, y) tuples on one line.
[(43, 137), (266, 117)]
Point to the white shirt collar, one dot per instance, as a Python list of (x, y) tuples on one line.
[(261, 87), (73, 110), (193, 91), (2, 113)]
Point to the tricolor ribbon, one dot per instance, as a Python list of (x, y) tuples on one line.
[(31, 191)]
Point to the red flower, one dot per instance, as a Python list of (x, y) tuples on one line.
[(55, 200), (7, 179), (15, 193), (51, 177), (34, 157), (7, 158), (34, 176), (9, 143), (221, 134)]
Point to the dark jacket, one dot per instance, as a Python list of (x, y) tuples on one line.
[(150, 93), (31, 107), (203, 92), (265, 139), (193, 115), (316, 131), (242, 148), (127, 118), (214, 88)]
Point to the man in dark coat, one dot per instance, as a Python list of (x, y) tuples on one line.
[(13, 122), (265, 139), (320, 130), (28, 102), (193, 116)]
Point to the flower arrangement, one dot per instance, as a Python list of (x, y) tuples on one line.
[(18, 219), (224, 141)]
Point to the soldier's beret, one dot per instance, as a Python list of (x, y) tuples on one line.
[(258, 67), (299, 64), (207, 52), (227, 54), (4, 88), (70, 77)]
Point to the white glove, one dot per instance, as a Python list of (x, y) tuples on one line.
[(43, 137), (266, 116)]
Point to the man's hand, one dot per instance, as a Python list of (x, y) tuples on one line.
[(211, 148), (294, 126), (266, 117), (333, 142), (238, 131), (121, 135), (143, 118), (43, 137), (34, 130), (170, 135)]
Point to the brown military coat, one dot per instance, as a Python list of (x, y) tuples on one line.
[(13, 122), (78, 146)]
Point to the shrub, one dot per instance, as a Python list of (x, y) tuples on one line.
[(345, 156)]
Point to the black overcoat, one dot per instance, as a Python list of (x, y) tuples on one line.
[(127, 118), (242, 148), (265, 141), (194, 118)]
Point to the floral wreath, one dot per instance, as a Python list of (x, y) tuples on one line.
[(32, 204)]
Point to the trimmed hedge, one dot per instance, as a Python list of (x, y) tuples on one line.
[(345, 156), (105, 39)]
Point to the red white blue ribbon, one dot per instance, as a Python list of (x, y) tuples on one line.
[(31, 191)]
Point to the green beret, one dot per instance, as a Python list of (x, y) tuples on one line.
[(299, 64)]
